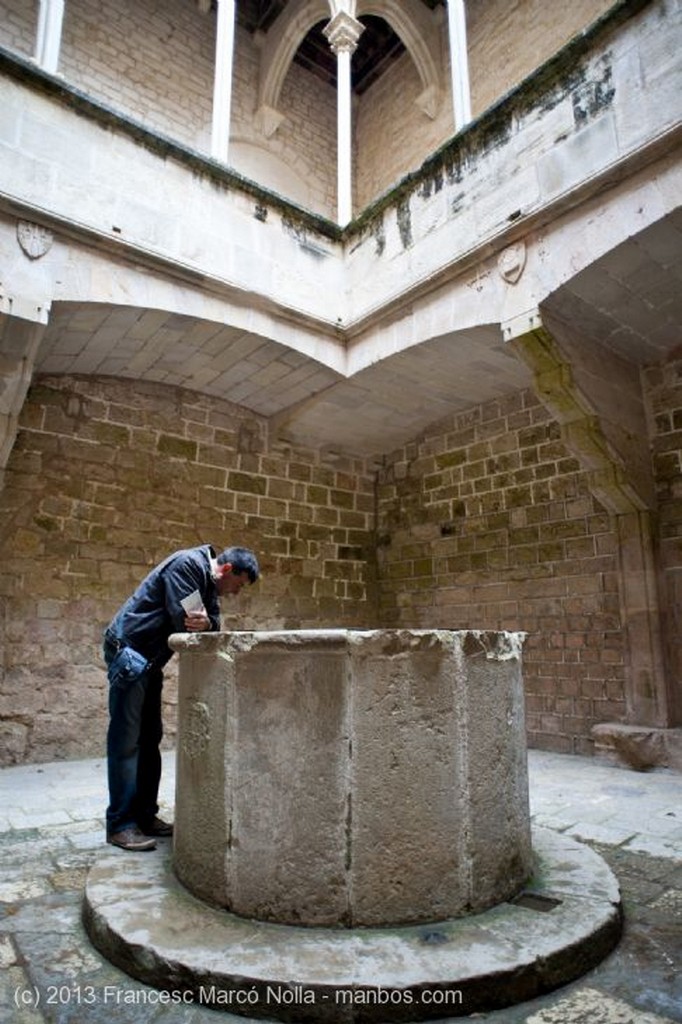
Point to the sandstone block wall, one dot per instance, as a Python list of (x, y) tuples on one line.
[(105, 479), (487, 522), (386, 148), (18, 26), (507, 41), (484, 522)]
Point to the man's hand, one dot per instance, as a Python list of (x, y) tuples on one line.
[(197, 622)]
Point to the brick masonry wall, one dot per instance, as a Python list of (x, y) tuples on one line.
[(105, 479), (487, 522), (663, 391)]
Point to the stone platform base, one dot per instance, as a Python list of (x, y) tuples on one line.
[(565, 921), (641, 747)]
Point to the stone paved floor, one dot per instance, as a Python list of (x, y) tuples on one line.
[(51, 829)]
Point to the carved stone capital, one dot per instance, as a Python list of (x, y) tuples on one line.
[(343, 32), (343, 7)]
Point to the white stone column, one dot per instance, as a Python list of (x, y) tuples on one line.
[(222, 82), (49, 37), (343, 32), (459, 63)]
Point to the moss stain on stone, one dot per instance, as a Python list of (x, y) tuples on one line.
[(593, 97), (404, 219)]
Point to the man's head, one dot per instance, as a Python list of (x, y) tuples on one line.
[(235, 567)]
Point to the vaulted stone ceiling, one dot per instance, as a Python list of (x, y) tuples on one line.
[(629, 302)]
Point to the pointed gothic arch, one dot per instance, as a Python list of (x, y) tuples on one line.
[(415, 26), (411, 21)]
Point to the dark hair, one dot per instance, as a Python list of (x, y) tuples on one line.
[(241, 560)]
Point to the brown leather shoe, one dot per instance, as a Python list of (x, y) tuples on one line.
[(131, 839), (157, 827)]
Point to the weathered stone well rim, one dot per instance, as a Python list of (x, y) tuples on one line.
[(141, 918)]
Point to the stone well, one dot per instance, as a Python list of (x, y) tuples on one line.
[(352, 841), (351, 778)]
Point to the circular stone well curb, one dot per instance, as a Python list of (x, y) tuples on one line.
[(564, 922)]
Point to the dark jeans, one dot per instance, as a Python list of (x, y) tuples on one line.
[(133, 738)]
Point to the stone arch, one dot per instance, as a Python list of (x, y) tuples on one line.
[(277, 53), (408, 18), (416, 27)]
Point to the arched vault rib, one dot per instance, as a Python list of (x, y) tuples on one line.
[(408, 18), (277, 52), (416, 27)]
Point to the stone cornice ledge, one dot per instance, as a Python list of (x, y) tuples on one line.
[(486, 247), (27, 72)]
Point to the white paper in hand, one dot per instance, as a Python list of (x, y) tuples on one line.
[(193, 602)]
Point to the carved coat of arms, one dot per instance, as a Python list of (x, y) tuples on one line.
[(511, 262), (34, 240)]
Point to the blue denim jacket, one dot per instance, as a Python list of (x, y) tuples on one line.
[(153, 612)]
